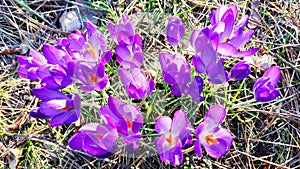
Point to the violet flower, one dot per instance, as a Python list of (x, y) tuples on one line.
[(227, 37), (264, 88), (122, 33), (129, 44), (240, 70), (135, 83), (174, 135), (96, 140), (126, 118), (206, 60), (175, 30), (90, 48), (215, 140), (62, 109), (29, 65), (130, 56), (92, 77), (176, 72)]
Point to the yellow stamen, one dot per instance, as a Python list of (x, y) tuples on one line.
[(224, 39), (90, 49), (210, 139)]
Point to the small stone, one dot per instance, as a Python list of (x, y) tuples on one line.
[(70, 21)]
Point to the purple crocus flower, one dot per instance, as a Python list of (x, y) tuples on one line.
[(126, 118), (92, 77), (135, 83), (96, 140), (122, 33), (176, 72), (90, 48), (215, 140), (29, 65), (62, 109), (226, 37), (264, 88), (130, 56), (174, 135), (205, 61), (240, 70), (175, 30)]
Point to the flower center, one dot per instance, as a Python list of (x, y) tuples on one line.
[(90, 49), (224, 39), (129, 123), (211, 140), (99, 135), (67, 108), (93, 78), (169, 139)]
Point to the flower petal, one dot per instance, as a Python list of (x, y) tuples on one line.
[(163, 124)]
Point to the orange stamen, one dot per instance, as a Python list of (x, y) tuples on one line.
[(99, 135), (93, 78), (129, 123), (210, 139), (67, 108), (169, 139)]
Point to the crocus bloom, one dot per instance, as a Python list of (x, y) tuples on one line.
[(92, 77), (122, 33), (215, 140), (205, 61), (175, 30), (127, 118), (227, 37), (135, 83), (176, 72), (130, 56), (240, 70), (90, 48), (174, 134), (264, 88), (96, 140), (62, 109), (29, 65)]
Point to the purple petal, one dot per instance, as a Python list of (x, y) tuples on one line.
[(226, 49), (46, 94), (198, 149), (240, 71), (179, 123), (163, 124), (215, 115), (242, 38), (273, 73), (217, 150), (245, 53)]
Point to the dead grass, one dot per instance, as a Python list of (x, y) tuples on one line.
[(265, 135)]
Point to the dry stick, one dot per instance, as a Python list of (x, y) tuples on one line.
[(286, 62), (260, 159)]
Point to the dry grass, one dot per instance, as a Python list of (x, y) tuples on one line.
[(265, 135)]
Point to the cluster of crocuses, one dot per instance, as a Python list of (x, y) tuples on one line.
[(80, 60)]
